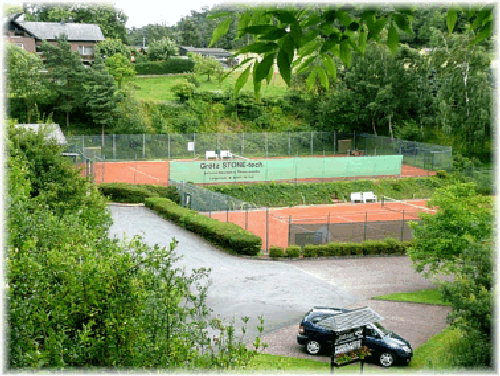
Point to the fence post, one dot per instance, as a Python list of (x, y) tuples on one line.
[(289, 230), (288, 143), (334, 142), (267, 146), (324, 167), (403, 226), (328, 229), (83, 145), (168, 146), (135, 167), (194, 145), (114, 147), (246, 219), (366, 220), (267, 229), (103, 167), (144, 146), (227, 213), (312, 143)]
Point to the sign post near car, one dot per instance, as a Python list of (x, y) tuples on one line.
[(349, 335)]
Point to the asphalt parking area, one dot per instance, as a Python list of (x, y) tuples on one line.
[(367, 277)]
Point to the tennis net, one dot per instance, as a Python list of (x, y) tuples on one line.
[(401, 206)]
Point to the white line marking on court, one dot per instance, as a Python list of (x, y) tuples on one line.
[(140, 172)]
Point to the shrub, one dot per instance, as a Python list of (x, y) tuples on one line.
[(441, 174), (126, 193), (164, 67), (310, 251), (183, 90), (293, 251), (275, 251)]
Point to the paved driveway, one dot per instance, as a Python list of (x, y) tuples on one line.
[(283, 291)]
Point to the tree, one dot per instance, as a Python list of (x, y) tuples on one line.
[(162, 49), (120, 68), (206, 65), (458, 241), (24, 76), (109, 47), (316, 33), (190, 32), (66, 75), (100, 94), (111, 21)]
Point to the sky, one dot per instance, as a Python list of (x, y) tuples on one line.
[(143, 12)]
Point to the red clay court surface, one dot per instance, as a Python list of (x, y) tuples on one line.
[(278, 228), (157, 172)]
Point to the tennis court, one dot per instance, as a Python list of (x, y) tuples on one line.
[(285, 226)]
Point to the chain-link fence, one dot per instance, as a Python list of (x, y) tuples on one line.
[(205, 200), (127, 147)]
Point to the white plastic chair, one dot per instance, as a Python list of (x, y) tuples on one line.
[(211, 154), (225, 154), (356, 196)]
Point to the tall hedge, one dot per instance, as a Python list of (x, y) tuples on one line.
[(164, 67)]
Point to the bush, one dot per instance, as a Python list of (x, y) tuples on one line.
[(164, 67), (310, 251), (126, 193), (183, 91), (275, 252), (367, 248), (441, 174), (293, 251)]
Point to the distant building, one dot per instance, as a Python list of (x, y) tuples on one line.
[(220, 54), (53, 131), (30, 35)]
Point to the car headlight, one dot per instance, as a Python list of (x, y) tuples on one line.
[(406, 349)]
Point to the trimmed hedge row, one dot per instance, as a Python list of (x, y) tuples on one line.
[(128, 193), (367, 248), (227, 235), (164, 67)]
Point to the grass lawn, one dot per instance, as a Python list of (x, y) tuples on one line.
[(159, 88), (426, 296)]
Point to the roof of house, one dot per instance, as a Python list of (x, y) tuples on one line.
[(53, 30), (208, 51), (53, 131)]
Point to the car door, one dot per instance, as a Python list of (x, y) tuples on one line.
[(374, 341)]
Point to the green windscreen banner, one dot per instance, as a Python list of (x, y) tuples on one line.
[(284, 169)]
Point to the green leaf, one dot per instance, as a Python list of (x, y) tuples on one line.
[(286, 17), (264, 66), (485, 33), (309, 48), (393, 39), (345, 53), (259, 47), (220, 30), (274, 34), (243, 22), (344, 18), (296, 33), (284, 65), (363, 35), (354, 26), (218, 15), (323, 78), (242, 80), (402, 23), (451, 19), (311, 20), (256, 83), (481, 18), (330, 66), (289, 48), (305, 64), (259, 30), (374, 28), (310, 80)]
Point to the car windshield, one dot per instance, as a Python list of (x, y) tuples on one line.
[(380, 329)]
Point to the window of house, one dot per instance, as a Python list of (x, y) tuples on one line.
[(86, 51), (19, 45)]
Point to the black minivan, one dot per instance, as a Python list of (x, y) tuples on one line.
[(387, 348)]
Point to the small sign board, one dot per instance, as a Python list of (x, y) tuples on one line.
[(348, 340), (191, 146)]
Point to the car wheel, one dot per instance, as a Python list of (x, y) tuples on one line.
[(387, 359), (313, 347)]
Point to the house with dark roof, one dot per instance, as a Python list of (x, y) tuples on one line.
[(30, 35), (225, 57)]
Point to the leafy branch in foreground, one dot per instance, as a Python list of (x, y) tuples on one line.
[(295, 37)]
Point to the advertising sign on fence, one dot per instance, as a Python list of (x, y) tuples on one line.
[(284, 169)]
